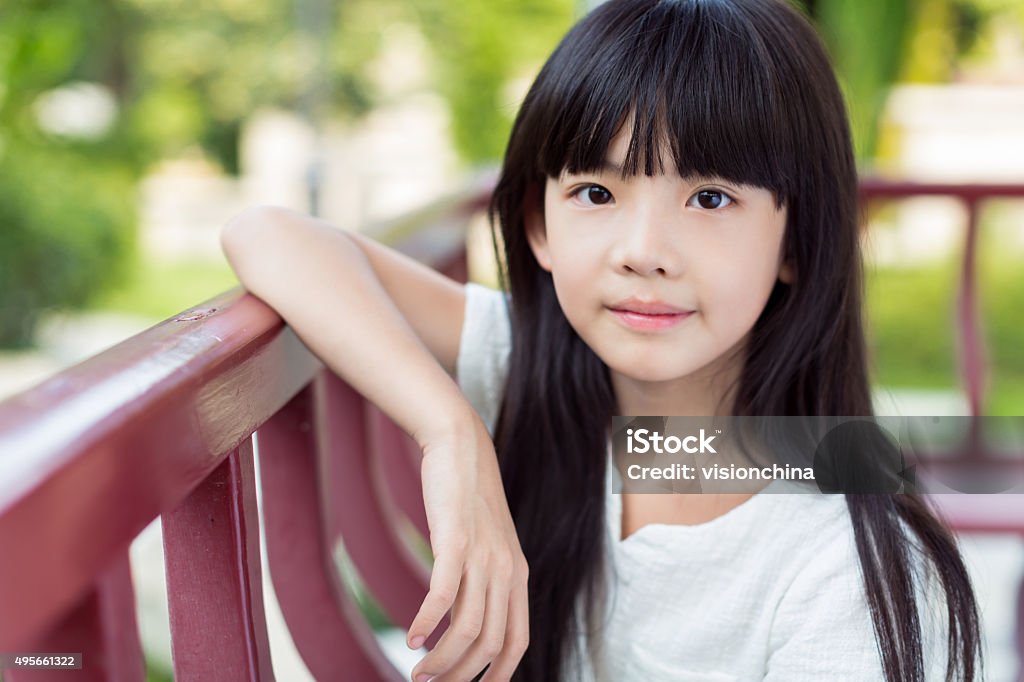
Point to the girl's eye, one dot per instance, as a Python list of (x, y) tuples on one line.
[(710, 199), (595, 194)]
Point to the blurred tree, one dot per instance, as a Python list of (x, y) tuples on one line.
[(867, 41), (482, 48), (176, 75), (67, 214), (92, 94), (875, 44)]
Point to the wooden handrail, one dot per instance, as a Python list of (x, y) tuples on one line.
[(94, 454), (161, 424)]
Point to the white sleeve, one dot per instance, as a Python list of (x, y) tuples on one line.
[(484, 347)]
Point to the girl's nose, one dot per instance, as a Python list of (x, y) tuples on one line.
[(649, 246)]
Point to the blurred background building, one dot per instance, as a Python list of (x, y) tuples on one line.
[(131, 130)]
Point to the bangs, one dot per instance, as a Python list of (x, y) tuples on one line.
[(692, 77)]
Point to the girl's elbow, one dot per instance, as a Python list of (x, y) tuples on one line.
[(244, 227), (247, 235)]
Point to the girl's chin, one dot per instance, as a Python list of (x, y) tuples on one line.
[(644, 372)]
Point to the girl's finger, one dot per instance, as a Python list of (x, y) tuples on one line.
[(492, 636), (445, 578), (517, 636), (466, 623)]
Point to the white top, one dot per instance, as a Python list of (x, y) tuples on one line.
[(771, 590)]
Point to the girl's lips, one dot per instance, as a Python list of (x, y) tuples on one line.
[(643, 321)]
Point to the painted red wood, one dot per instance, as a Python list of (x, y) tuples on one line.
[(397, 578), (999, 513), (395, 469), (214, 579), (971, 347), (91, 456), (101, 627), (872, 188), (327, 626)]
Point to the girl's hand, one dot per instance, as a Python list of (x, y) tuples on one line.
[(479, 569)]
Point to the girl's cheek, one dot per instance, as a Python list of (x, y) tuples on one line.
[(741, 293)]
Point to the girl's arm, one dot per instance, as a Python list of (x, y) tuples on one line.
[(390, 328), (321, 281)]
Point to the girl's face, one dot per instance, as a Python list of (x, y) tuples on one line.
[(702, 245)]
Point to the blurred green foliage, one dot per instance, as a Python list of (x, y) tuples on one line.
[(67, 230), (67, 215), (874, 44), (179, 75), (866, 41), (157, 673), (185, 75), (480, 46), (146, 292)]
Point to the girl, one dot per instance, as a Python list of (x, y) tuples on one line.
[(678, 216)]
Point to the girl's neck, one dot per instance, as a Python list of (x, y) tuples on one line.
[(707, 392)]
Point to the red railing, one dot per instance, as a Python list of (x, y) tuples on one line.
[(975, 513), (971, 349), (160, 425)]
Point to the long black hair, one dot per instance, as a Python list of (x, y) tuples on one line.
[(743, 90)]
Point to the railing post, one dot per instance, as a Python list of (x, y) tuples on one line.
[(972, 349), (328, 629), (214, 583)]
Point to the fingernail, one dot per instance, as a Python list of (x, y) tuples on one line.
[(417, 641), (423, 677)]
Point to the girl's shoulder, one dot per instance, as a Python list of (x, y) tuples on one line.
[(484, 345), (824, 539), (487, 302), (824, 604)]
